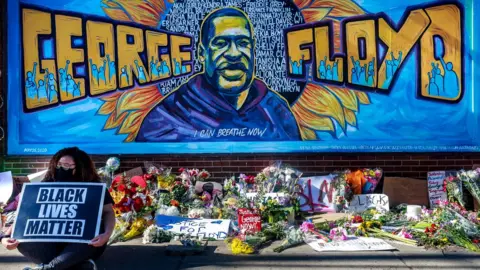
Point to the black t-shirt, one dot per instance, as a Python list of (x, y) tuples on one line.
[(107, 198)]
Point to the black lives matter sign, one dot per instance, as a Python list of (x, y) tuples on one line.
[(59, 212)]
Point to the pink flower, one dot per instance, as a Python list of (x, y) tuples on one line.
[(307, 226), (403, 233)]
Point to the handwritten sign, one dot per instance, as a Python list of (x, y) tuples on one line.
[(203, 228), (249, 221), (273, 196), (353, 244), (363, 202), (435, 186), (59, 212), (316, 194)]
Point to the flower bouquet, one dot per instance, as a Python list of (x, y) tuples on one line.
[(154, 234), (294, 237), (133, 207), (470, 180), (453, 187), (238, 246), (372, 178)]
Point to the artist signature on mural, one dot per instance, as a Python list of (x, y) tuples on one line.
[(35, 150)]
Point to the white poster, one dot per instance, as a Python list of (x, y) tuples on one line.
[(317, 194), (205, 228), (353, 244), (6, 186), (435, 187), (363, 202)]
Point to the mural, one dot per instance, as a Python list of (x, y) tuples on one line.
[(236, 76)]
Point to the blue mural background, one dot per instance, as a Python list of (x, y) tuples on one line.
[(394, 122)]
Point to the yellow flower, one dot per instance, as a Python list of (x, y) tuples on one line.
[(239, 247)]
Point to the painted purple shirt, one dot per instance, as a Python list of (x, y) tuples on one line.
[(196, 112)]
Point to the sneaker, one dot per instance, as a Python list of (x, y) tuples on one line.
[(87, 265)]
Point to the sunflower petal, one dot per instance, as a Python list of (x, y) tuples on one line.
[(320, 101), (308, 134), (315, 14), (310, 120), (347, 97), (363, 97), (350, 117), (339, 8), (114, 122), (302, 3), (142, 12), (107, 108), (132, 123)]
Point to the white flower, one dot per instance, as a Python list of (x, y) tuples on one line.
[(289, 171), (172, 211)]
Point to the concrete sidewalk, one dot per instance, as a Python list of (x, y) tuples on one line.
[(135, 255)]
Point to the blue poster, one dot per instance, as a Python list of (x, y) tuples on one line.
[(59, 212), (242, 76)]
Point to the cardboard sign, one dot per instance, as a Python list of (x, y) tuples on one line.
[(249, 221), (59, 212), (363, 202), (205, 228), (6, 186), (435, 186), (354, 244), (317, 194), (405, 190)]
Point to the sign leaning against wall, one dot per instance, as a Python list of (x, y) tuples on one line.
[(188, 76)]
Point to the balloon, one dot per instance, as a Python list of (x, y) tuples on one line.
[(113, 164), (139, 181)]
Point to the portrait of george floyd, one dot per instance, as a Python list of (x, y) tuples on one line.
[(224, 102)]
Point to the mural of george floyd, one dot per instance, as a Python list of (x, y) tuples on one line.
[(230, 86)]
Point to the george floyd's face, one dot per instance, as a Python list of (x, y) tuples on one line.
[(228, 57)]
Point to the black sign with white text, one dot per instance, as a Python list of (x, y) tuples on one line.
[(59, 212)]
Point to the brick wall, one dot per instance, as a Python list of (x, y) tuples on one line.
[(221, 166)]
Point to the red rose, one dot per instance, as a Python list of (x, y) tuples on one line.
[(110, 190), (138, 204), (181, 170), (203, 175), (476, 241), (122, 188), (250, 179), (357, 219), (193, 173)]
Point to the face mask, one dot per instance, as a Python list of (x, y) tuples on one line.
[(64, 175)]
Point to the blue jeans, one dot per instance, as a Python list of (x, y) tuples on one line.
[(60, 255)]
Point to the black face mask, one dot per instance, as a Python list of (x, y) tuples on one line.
[(64, 175)]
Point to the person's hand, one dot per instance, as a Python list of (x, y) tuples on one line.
[(10, 243), (100, 240)]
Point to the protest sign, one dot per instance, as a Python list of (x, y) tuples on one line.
[(205, 228), (273, 196), (316, 194), (59, 212), (6, 186), (436, 192), (352, 244), (249, 221), (363, 202)]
